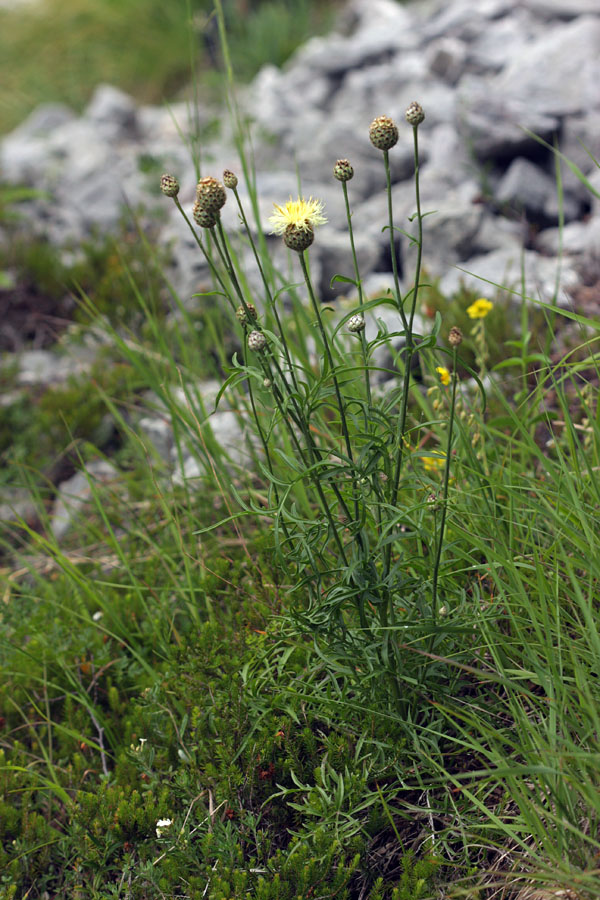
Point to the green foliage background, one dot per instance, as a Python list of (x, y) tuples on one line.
[(60, 50)]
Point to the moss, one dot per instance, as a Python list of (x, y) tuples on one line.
[(45, 431)]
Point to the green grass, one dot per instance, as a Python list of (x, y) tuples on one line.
[(343, 670), (60, 51)]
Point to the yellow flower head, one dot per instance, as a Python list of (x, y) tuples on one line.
[(435, 462), (479, 309), (300, 214), (444, 374)]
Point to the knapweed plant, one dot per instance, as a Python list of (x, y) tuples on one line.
[(355, 476)]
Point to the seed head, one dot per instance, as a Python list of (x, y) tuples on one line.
[(356, 323), (244, 317), (297, 238), (455, 336), (169, 185), (205, 217), (211, 193), (414, 114), (342, 170), (230, 179), (256, 341), (383, 133)]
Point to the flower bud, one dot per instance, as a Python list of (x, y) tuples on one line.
[(414, 114), (169, 185), (211, 193), (342, 170), (256, 341), (455, 336), (383, 133), (297, 238), (204, 216), (243, 317), (356, 323), (230, 179)]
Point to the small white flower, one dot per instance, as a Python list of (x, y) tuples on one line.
[(162, 825), (97, 615)]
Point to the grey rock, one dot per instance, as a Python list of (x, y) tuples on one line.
[(334, 249), (560, 71), (502, 40), (525, 188), (447, 58), (561, 9), (159, 434), (495, 125), (498, 233), (225, 430), (114, 111), (463, 19), (449, 233), (16, 505), (575, 239), (45, 367), (44, 120), (75, 493), (499, 274), (487, 74)]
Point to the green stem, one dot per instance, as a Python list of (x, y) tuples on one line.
[(314, 478), (440, 541), (214, 271), (409, 345), (265, 446), (329, 356), (363, 339), (336, 385), (419, 230), (268, 293), (388, 177)]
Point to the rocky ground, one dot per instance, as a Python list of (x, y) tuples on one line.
[(500, 81)]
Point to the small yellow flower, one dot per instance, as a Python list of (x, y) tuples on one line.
[(479, 309), (300, 214), (444, 374), (434, 462)]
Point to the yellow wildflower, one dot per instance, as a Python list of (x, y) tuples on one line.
[(300, 214), (434, 462), (444, 374), (480, 308)]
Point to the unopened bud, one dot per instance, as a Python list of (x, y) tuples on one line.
[(356, 323), (455, 336), (256, 341), (230, 179), (342, 170), (414, 114), (383, 133), (204, 216), (244, 314), (210, 193), (297, 238), (169, 185)]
